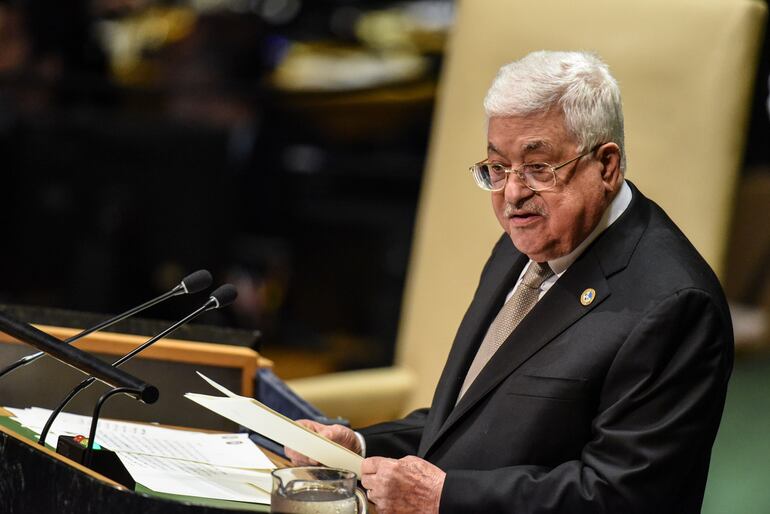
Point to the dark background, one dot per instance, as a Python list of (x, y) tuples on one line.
[(118, 179)]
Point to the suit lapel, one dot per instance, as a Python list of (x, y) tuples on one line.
[(535, 331), (503, 269), (559, 309)]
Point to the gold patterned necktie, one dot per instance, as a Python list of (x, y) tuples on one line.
[(515, 309)]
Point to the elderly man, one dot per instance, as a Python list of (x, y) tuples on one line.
[(589, 373)]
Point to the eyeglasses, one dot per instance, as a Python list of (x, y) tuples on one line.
[(538, 176)]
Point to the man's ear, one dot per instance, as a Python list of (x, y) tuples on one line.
[(608, 155)]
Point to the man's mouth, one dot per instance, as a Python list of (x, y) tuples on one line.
[(523, 218)]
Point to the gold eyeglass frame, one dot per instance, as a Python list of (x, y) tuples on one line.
[(523, 175)]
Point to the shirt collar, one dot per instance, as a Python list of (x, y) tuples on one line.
[(618, 205)]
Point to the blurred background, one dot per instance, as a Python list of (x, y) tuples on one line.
[(279, 144)]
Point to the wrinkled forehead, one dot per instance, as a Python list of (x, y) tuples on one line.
[(520, 135)]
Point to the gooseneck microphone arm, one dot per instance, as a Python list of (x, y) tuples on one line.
[(220, 297), (77, 358), (192, 283), (95, 422)]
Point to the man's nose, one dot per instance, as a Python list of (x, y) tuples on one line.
[(515, 189)]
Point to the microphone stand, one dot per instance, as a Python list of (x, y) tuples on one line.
[(78, 359), (95, 419), (213, 302), (197, 279)]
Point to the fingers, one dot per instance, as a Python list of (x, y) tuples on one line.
[(375, 470), (337, 433), (371, 464), (341, 435), (296, 458), (408, 485), (370, 478), (311, 425)]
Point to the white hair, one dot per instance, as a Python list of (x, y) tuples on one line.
[(579, 83)]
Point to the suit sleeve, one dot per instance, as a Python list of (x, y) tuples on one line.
[(395, 439), (655, 423)]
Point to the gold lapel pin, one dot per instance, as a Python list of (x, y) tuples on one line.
[(588, 296)]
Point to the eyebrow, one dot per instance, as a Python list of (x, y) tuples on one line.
[(493, 148), (528, 147), (539, 144)]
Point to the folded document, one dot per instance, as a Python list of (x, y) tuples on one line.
[(260, 418)]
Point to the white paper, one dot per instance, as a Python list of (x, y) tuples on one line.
[(221, 466), (222, 389), (35, 418), (231, 450), (201, 480), (265, 421)]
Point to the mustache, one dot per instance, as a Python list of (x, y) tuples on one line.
[(526, 206)]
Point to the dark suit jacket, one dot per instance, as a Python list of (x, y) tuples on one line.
[(611, 407)]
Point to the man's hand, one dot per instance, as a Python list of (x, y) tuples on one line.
[(337, 433), (404, 486)]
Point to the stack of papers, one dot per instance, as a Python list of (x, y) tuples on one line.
[(222, 466)]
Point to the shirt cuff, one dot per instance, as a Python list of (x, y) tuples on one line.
[(362, 442)]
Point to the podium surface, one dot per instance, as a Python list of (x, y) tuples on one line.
[(34, 479)]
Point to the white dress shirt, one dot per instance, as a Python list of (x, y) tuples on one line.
[(559, 265)]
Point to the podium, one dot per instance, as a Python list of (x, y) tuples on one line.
[(170, 365), (35, 479)]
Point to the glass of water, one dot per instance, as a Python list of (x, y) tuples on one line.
[(316, 490)]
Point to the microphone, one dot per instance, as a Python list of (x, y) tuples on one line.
[(78, 359), (192, 283), (221, 297)]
